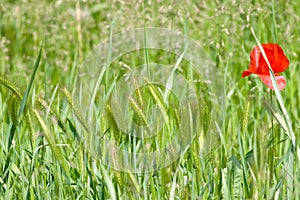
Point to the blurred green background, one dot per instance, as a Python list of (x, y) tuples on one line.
[(251, 160)]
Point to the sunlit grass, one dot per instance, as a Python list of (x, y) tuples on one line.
[(44, 158)]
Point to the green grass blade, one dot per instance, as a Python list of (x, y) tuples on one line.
[(35, 67), (102, 73), (169, 84), (109, 183), (244, 165)]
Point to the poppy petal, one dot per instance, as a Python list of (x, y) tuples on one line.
[(246, 73), (266, 79), (254, 59)]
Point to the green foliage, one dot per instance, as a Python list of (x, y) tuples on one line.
[(42, 155)]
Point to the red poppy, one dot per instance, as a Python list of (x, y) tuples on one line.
[(278, 61)]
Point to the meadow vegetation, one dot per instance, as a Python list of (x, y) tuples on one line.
[(44, 43)]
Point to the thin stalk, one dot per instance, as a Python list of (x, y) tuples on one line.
[(271, 149)]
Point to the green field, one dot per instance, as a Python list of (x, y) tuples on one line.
[(43, 46)]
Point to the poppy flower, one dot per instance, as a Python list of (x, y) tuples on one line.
[(278, 61)]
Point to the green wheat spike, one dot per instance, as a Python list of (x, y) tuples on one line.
[(13, 107), (139, 116), (11, 87), (205, 117), (110, 119), (245, 116), (103, 122), (74, 108), (196, 157), (139, 95), (18, 95), (120, 179), (111, 123)]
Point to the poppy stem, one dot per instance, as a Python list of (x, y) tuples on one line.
[(271, 154), (271, 101)]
